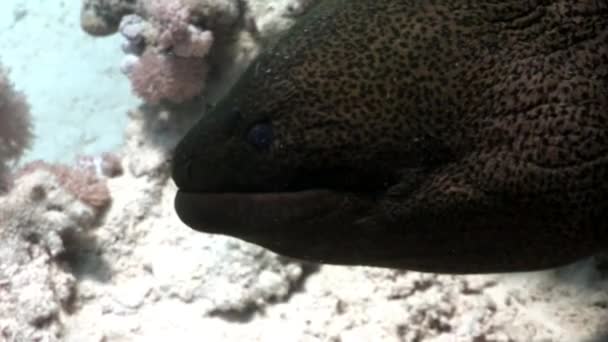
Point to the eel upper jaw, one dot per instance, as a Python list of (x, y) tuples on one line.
[(244, 214), (206, 207)]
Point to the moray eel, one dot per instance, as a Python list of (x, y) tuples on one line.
[(443, 136)]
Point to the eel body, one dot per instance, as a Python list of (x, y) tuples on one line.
[(445, 136)]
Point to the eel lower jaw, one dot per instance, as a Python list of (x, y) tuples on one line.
[(249, 214)]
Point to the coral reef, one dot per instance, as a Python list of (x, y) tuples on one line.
[(170, 44), (165, 58), (15, 126), (102, 17), (48, 208), (81, 182), (157, 77), (106, 165)]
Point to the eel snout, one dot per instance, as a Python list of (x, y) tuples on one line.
[(248, 213)]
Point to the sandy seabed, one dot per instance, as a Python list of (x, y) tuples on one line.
[(138, 274)]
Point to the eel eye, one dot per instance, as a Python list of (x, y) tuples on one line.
[(261, 135)]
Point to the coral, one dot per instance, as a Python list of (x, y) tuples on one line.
[(165, 55), (44, 220), (105, 165), (169, 43), (38, 218), (132, 28), (156, 77), (15, 126), (272, 18), (81, 182), (175, 31), (211, 14), (101, 17)]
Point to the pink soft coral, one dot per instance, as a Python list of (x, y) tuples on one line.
[(15, 127), (176, 33), (157, 77), (81, 181), (167, 52)]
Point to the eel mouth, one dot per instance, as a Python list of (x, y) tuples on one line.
[(250, 213), (216, 198)]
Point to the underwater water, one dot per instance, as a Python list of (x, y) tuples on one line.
[(74, 87), (106, 105)]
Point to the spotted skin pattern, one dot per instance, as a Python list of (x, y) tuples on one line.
[(447, 135)]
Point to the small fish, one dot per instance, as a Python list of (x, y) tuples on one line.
[(444, 136)]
